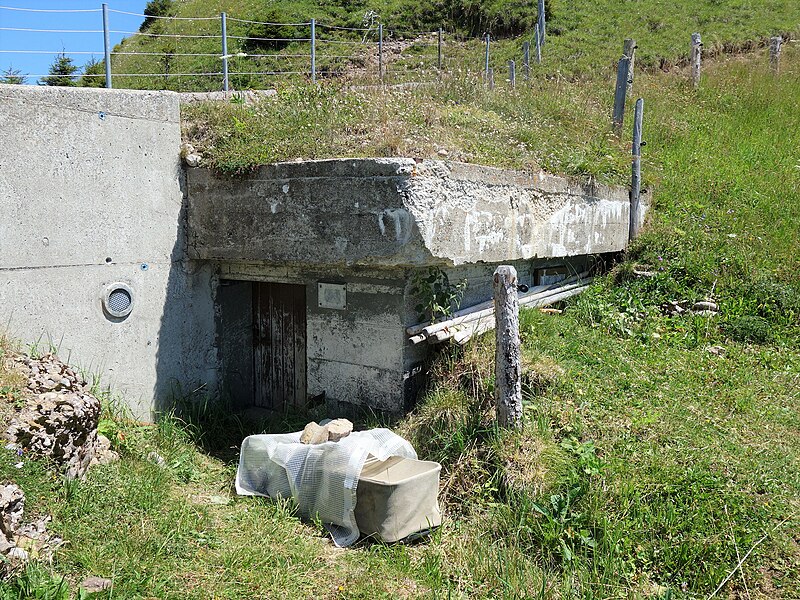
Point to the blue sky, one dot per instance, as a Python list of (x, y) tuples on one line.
[(47, 45)]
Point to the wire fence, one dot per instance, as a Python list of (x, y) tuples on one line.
[(226, 52)]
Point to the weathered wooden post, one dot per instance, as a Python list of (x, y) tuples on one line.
[(526, 59), (512, 73), (629, 50), (490, 78), (697, 54), (508, 372), (775, 44), (538, 39), (618, 117), (636, 170)]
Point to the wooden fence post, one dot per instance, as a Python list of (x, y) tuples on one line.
[(508, 372), (512, 73), (491, 78), (775, 44), (618, 117), (697, 53), (538, 39), (629, 50), (636, 170)]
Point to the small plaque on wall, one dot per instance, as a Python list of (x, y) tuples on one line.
[(332, 295)]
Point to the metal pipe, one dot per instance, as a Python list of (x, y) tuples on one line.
[(224, 22), (486, 67), (106, 46), (541, 22), (313, 51), (636, 169), (380, 50), (526, 59), (440, 49)]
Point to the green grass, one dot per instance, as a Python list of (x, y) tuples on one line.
[(584, 36), (657, 449)]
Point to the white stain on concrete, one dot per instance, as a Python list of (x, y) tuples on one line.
[(397, 221)]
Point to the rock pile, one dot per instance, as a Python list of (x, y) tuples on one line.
[(59, 420), (12, 504), (20, 542)]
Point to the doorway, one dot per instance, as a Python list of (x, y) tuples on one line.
[(279, 345)]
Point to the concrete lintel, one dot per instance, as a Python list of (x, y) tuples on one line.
[(399, 212)]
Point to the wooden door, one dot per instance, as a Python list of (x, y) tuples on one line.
[(279, 340)]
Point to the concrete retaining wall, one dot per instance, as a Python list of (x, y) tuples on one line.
[(91, 194)]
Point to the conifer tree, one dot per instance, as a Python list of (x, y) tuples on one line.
[(62, 72)]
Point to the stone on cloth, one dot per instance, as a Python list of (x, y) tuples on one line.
[(322, 479)]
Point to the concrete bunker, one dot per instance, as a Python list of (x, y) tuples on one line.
[(318, 264), (275, 288)]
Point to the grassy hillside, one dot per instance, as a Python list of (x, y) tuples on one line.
[(583, 36), (660, 450)]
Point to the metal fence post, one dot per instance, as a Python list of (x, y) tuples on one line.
[(440, 49), (697, 52), (486, 67), (541, 23), (629, 50), (490, 77), (224, 22), (619, 94), (106, 46), (380, 50), (526, 59), (512, 73), (313, 51), (775, 44), (636, 170)]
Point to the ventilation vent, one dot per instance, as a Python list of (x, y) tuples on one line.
[(118, 300)]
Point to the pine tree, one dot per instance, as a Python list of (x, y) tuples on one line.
[(62, 72), (12, 76)]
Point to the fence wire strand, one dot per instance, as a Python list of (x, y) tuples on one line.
[(52, 10), (268, 23), (31, 30), (338, 39), (133, 14)]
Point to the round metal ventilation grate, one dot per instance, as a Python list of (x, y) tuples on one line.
[(118, 300)]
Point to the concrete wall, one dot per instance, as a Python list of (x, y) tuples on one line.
[(91, 193), (358, 356), (355, 355), (395, 212)]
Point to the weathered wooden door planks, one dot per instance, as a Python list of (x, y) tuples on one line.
[(279, 339)]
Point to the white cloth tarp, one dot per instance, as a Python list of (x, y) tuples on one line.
[(322, 478)]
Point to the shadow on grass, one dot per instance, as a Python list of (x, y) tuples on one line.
[(217, 426)]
